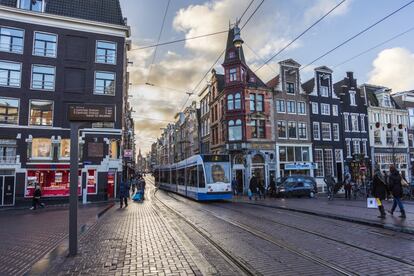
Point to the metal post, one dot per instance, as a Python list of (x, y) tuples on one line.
[(73, 197)]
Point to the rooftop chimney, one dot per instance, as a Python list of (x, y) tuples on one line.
[(350, 75)]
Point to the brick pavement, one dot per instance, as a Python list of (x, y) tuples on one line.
[(132, 241), (25, 235), (339, 208)]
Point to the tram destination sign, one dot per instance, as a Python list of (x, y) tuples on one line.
[(91, 113)]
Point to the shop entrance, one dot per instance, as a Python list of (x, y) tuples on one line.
[(111, 184), (240, 180), (258, 169), (7, 188)]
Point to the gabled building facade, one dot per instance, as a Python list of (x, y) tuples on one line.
[(204, 119), (291, 122), (356, 146), (326, 120)]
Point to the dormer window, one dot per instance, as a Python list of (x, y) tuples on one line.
[(324, 91), (32, 5), (233, 74), (290, 87), (352, 100), (386, 101), (232, 54)]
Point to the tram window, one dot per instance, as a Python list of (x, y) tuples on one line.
[(168, 176), (188, 177), (173, 176), (192, 176), (157, 179), (181, 177), (201, 181)]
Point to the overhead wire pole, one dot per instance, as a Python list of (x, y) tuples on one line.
[(158, 40), (374, 47), (358, 34), (300, 35)]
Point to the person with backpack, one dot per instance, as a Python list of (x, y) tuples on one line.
[(395, 186), (379, 191)]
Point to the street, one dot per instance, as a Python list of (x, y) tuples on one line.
[(170, 235)]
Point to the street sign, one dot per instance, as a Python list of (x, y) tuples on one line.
[(91, 113), (128, 153)]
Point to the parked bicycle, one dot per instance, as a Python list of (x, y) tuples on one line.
[(360, 190)]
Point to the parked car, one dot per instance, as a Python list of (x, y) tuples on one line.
[(296, 186)]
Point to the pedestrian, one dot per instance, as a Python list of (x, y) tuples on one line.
[(123, 194), (394, 180), (347, 186), (330, 183), (234, 186), (261, 190), (253, 187), (379, 191), (385, 175), (37, 194), (272, 187)]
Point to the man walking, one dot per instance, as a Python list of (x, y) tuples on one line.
[(123, 194), (394, 181), (253, 187), (347, 186), (379, 191), (36, 198), (234, 186)]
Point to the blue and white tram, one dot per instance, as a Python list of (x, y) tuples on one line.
[(201, 177)]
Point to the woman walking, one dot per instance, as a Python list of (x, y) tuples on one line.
[(379, 191), (394, 181)]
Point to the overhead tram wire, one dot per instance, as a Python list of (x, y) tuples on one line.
[(358, 34), (300, 35), (258, 56), (158, 40), (374, 47)]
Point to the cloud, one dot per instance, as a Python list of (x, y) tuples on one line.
[(393, 68), (321, 7)]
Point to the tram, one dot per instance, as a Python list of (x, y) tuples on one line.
[(200, 177)]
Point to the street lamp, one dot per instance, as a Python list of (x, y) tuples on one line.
[(237, 40)]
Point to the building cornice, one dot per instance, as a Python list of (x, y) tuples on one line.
[(64, 22)]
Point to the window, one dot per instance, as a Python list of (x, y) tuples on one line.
[(354, 123), (10, 74), (281, 129), (45, 44), (43, 77), (259, 103), (326, 131), (362, 122), (252, 102), (387, 118), (301, 108), (411, 117), (377, 137), (8, 149), (364, 148), (325, 109), (292, 130), (319, 161), (387, 101), (356, 148), (9, 111), (237, 101), (41, 148), (348, 148), (105, 83), (377, 117), (233, 74), (258, 128), (302, 131), (335, 128), (235, 130), (324, 91), (290, 87), (282, 154), (230, 102), (41, 113), (290, 154), (346, 121), (305, 154), (291, 107), (328, 158), (400, 138), (232, 54), (64, 151), (316, 131), (315, 108), (32, 5), (335, 111), (280, 106), (11, 40), (113, 149), (105, 52), (352, 98)]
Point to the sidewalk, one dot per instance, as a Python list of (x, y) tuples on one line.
[(341, 209)]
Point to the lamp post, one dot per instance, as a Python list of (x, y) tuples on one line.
[(237, 40)]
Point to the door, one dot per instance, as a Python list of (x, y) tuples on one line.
[(240, 181), (339, 172), (111, 184), (8, 190)]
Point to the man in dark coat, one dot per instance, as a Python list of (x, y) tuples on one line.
[(123, 193), (394, 181), (253, 186), (379, 191)]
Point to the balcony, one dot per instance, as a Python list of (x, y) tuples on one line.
[(8, 160)]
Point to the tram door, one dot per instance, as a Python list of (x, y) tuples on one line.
[(6, 190)]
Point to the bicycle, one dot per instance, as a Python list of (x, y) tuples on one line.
[(359, 191)]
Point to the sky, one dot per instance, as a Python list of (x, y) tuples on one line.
[(177, 68)]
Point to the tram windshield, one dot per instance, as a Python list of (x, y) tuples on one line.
[(217, 172)]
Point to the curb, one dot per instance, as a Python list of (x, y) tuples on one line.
[(402, 229)]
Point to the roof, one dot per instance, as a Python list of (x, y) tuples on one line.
[(230, 47), (106, 11), (273, 82), (309, 85)]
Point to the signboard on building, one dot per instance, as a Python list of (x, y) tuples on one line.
[(300, 166), (128, 153), (95, 150), (91, 112)]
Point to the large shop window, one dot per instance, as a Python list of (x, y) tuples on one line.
[(41, 113), (43, 77), (41, 148), (319, 161), (9, 111), (104, 83), (10, 74), (235, 130), (64, 151), (45, 45), (11, 40), (105, 52)]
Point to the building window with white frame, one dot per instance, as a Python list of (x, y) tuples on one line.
[(105, 52), (315, 108), (335, 111), (324, 91), (302, 131), (10, 74), (104, 83), (32, 5), (377, 137), (346, 121), (364, 148), (9, 111), (376, 117), (326, 131), (400, 138), (43, 77), (291, 107), (362, 122), (301, 108), (335, 130), (292, 130), (237, 101), (316, 131), (45, 45), (388, 118), (280, 106), (389, 140), (41, 113), (325, 109), (290, 88), (230, 102), (356, 147), (352, 99), (328, 160), (354, 123), (281, 129), (348, 148), (11, 40), (235, 130), (319, 162), (233, 74)]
